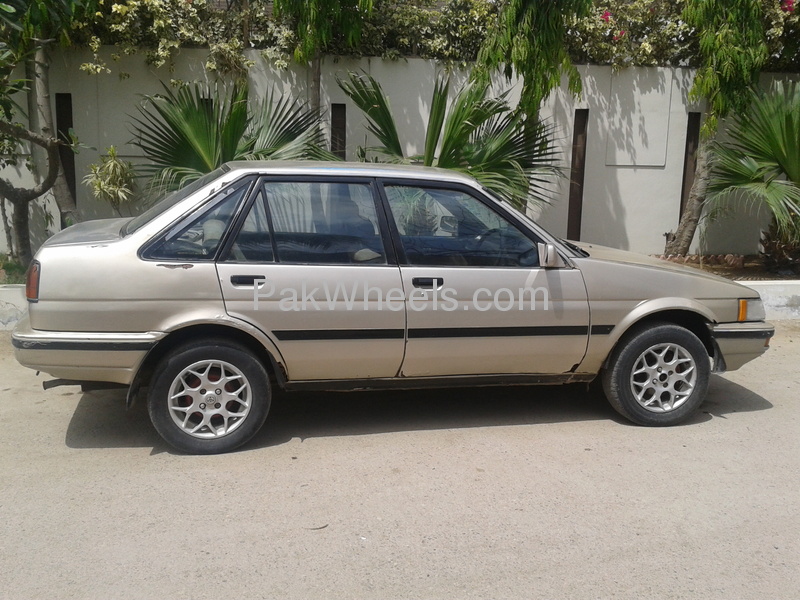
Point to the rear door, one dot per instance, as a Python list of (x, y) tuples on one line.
[(477, 300), (309, 266)]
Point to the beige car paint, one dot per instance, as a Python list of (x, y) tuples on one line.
[(566, 306), (94, 286)]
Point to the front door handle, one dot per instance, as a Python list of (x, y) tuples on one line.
[(428, 283), (246, 279)]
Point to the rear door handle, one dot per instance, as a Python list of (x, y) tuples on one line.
[(246, 279), (428, 283)]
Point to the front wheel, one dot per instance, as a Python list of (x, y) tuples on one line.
[(209, 397), (658, 375)]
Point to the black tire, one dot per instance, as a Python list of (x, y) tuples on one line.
[(212, 417), (657, 375)]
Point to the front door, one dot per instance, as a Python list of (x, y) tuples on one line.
[(477, 301)]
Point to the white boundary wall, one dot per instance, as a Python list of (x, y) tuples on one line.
[(635, 141)]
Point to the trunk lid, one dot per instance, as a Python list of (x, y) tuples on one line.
[(90, 232)]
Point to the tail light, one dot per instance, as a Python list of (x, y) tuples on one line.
[(32, 281)]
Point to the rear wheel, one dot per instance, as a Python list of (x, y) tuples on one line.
[(658, 375), (209, 397)]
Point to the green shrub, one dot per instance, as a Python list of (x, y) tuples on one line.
[(14, 272)]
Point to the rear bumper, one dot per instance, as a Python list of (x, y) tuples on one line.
[(112, 357), (739, 343)]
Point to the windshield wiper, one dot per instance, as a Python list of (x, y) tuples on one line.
[(577, 249)]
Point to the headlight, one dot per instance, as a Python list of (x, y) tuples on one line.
[(751, 309)]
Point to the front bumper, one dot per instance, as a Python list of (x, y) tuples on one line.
[(739, 343), (112, 357)]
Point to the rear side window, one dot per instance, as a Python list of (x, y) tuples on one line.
[(253, 242), (172, 199), (324, 223), (199, 236)]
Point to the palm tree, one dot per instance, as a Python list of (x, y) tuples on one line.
[(192, 131), (761, 159), (477, 135)]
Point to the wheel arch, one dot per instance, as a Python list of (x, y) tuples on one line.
[(689, 319), (685, 312), (266, 352)]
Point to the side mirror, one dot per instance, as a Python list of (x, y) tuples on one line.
[(448, 225), (548, 256)]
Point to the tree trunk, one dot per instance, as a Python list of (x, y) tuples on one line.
[(20, 198), (316, 82), (66, 203), (15, 194), (680, 241), (7, 229), (245, 7), (22, 236), (38, 155)]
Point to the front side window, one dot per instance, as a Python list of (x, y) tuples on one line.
[(324, 223), (442, 227), (199, 236)]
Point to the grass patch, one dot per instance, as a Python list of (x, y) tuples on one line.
[(15, 272)]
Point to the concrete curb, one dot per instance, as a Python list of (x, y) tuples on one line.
[(12, 305), (781, 298), (781, 301)]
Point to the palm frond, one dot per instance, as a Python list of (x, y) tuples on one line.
[(192, 131), (233, 120), (369, 97), (757, 182), (283, 129), (435, 120), (469, 112), (761, 159), (515, 159), (474, 134), (180, 129)]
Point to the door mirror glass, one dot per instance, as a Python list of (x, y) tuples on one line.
[(448, 225)]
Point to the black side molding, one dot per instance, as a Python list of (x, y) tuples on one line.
[(743, 334), (85, 346)]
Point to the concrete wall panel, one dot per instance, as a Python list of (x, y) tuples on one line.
[(635, 140)]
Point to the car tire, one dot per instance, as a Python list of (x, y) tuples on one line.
[(657, 375), (209, 397)]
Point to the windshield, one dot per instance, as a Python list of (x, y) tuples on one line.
[(171, 200), (523, 214)]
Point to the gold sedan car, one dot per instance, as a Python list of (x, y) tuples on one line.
[(351, 276)]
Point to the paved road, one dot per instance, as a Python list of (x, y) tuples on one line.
[(501, 493)]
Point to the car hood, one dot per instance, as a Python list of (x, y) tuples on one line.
[(90, 232), (607, 254)]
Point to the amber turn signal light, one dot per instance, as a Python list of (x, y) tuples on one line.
[(742, 310)]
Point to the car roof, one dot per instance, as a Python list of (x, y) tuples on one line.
[(352, 169)]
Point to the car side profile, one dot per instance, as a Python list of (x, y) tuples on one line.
[(333, 276)]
